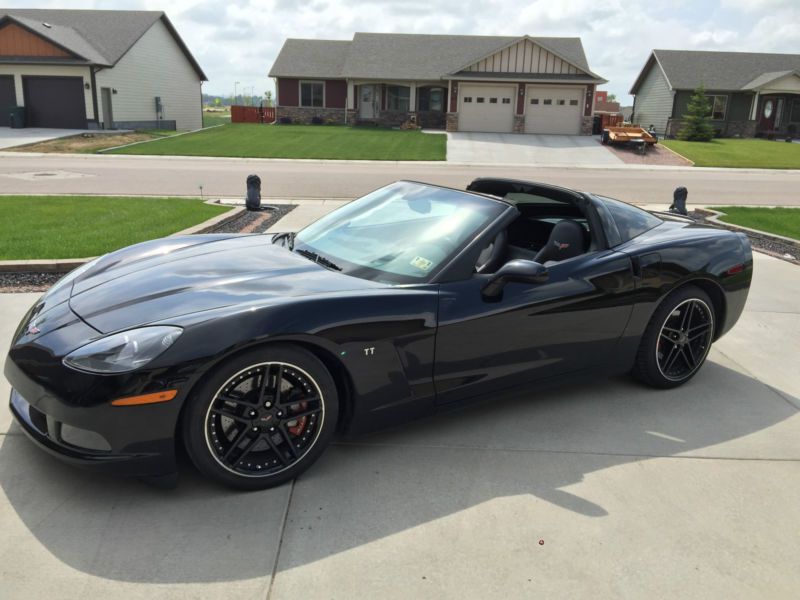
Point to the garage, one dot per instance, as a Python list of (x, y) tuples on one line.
[(54, 102), (7, 95), (488, 108), (553, 110)]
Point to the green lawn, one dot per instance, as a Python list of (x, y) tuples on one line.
[(82, 226), (300, 141), (216, 118), (752, 153), (780, 221)]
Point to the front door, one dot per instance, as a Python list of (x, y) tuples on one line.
[(570, 323), (367, 102), (766, 118)]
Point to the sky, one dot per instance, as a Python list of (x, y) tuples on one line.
[(237, 40)]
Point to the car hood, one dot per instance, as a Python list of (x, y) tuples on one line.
[(163, 279)]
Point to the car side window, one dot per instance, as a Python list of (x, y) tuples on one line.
[(630, 220)]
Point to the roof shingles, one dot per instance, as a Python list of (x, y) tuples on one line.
[(403, 56)]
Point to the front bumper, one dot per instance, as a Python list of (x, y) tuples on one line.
[(133, 441)]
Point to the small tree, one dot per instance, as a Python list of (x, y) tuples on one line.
[(612, 97), (697, 122), (268, 98)]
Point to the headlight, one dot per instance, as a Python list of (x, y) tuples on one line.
[(124, 351)]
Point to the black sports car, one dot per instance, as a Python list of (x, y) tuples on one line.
[(254, 350)]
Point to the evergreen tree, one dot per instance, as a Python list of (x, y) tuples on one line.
[(697, 120)]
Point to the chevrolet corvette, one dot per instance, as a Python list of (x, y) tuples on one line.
[(254, 351)]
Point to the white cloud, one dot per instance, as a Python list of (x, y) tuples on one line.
[(238, 40)]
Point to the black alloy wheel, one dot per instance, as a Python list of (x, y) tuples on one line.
[(265, 421), (677, 339)]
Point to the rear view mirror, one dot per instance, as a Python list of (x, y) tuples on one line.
[(524, 271)]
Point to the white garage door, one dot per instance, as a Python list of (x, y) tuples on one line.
[(553, 110), (486, 108)]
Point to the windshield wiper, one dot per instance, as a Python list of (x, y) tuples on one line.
[(288, 236), (319, 259)]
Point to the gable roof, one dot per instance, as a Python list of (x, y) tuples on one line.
[(405, 56), (725, 71), (311, 58), (99, 37)]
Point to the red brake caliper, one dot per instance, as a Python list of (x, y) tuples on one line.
[(300, 424)]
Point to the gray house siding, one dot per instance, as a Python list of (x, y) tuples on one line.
[(653, 104), (737, 118)]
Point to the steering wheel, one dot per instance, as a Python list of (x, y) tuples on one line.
[(490, 257)]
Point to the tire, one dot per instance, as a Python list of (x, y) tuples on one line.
[(239, 432), (677, 340)]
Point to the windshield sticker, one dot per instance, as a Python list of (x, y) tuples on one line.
[(421, 263)]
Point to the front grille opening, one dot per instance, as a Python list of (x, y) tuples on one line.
[(38, 419)]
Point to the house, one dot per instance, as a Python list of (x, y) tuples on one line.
[(516, 84), (602, 105), (90, 69), (750, 93)]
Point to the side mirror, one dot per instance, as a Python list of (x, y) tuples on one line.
[(525, 271)]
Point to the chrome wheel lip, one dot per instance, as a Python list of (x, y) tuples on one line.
[(306, 450), (710, 336)]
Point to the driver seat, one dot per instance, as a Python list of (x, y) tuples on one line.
[(567, 240)]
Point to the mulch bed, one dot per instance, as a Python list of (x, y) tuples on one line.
[(656, 155), (246, 222)]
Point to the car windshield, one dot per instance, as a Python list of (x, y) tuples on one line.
[(402, 233)]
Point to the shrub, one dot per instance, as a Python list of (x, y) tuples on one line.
[(315, 120), (285, 120), (696, 122)]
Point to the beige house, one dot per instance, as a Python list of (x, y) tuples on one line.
[(90, 69), (519, 84)]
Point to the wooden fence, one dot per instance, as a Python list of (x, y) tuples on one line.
[(252, 114)]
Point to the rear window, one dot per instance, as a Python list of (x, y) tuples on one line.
[(630, 220)]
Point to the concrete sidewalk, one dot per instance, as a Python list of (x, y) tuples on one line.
[(33, 135), (599, 490)]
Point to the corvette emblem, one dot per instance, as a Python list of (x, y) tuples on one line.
[(33, 329), (560, 246)]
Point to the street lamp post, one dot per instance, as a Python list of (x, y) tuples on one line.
[(235, 91)]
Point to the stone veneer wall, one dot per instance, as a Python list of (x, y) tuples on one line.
[(304, 114), (745, 129), (519, 124), (586, 125), (452, 122)]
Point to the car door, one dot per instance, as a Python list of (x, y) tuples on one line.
[(533, 331)]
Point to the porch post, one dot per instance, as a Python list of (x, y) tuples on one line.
[(754, 109), (350, 95), (412, 97)]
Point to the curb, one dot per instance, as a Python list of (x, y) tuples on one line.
[(64, 265), (691, 162), (714, 217)]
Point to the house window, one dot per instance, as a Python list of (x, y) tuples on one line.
[(312, 93), (480, 100), (534, 101), (398, 97), (548, 101), (573, 103), (719, 105), (560, 102), (492, 100), (432, 99), (795, 116), (506, 100)]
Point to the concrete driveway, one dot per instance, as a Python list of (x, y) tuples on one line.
[(599, 490), (523, 149), (32, 135)]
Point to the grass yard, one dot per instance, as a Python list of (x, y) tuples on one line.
[(81, 226), (780, 221), (748, 153), (211, 118), (300, 141), (90, 144)]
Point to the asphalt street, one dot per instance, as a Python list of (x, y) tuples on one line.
[(119, 175)]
